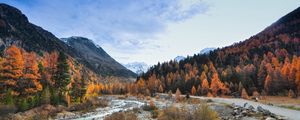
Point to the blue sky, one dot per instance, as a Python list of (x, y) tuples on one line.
[(155, 30)]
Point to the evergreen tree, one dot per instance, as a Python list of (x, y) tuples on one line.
[(62, 76)]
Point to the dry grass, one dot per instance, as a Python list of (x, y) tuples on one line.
[(280, 100), (192, 101), (91, 103), (129, 115), (201, 112)]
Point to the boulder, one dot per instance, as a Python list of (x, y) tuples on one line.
[(251, 108)]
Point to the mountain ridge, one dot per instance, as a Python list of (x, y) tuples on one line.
[(16, 29), (97, 57), (266, 63)]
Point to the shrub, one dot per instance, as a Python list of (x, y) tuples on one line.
[(34, 101), (154, 113), (9, 100), (170, 94), (96, 102), (170, 113), (148, 98), (157, 97), (255, 94), (45, 97), (24, 105), (291, 94), (122, 116), (152, 105), (54, 98), (244, 94), (209, 94), (202, 112), (149, 107)]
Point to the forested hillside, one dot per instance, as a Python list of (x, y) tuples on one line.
[(267, 63)]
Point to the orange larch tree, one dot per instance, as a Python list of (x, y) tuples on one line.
[(161, 89), (11, 69), (30, 83), (177, 95), (205, 87), (193, 91), (217, 86)]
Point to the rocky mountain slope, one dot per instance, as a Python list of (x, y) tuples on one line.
[(95, 56), (16, 29)]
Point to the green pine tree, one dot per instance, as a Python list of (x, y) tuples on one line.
[(62, 76)]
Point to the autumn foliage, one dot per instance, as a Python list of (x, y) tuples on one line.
[(28, 80), (268, 62)]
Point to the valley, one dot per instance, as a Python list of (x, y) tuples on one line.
[(43, 77)]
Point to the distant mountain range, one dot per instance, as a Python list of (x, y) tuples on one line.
[(16, 29), (179, 58), (203, 51), (137, 67), (206, 50)]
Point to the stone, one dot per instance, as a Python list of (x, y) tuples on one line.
[(244, 112), (251, 108), (270, 118), (245, 105), (263, 111)]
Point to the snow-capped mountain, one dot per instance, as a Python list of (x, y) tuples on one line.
[(179, 58), (206, 50), (137, 67)]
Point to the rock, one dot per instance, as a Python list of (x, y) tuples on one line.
[(263, 111), (235, 112), (259, 109), (281, 117), (245, 105), (270, 118), (251, 108), (245, 112)]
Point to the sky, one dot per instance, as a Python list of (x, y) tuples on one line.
[(154, 31)]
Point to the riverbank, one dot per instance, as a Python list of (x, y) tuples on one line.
[(224, 107), (116, 106)]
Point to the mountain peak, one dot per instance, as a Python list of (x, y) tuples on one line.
[(11, 13), (207, 50), (179, 58), (97, 57), (16, 29), (137, 67)]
